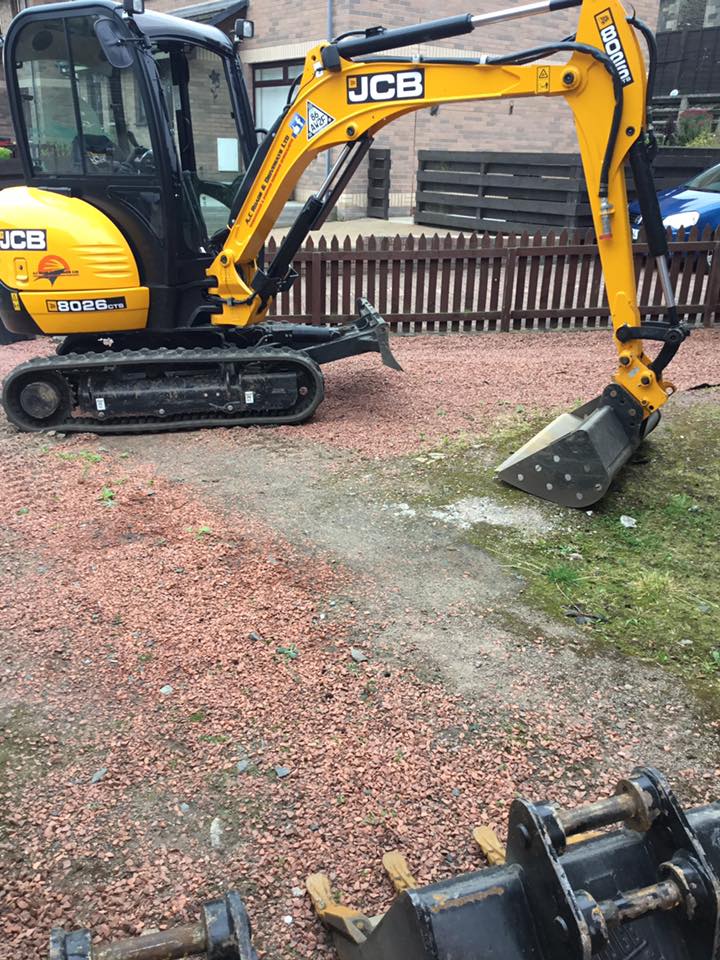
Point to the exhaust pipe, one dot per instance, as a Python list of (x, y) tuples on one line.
[(573, 460)]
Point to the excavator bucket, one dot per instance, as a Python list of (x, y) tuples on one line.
[(558, 892), (574, 459)]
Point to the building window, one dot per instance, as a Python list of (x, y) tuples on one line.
[(271, 84)]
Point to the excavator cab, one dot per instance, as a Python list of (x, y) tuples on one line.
[(137, 143), (147, 119)]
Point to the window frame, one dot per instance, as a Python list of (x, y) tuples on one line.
[(285, 65), (286, 81), (18, 114)]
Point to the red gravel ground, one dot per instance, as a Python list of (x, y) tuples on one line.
[(105, 605), (116, 582), (455, 384)]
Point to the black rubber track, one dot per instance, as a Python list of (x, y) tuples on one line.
[(74, 367)]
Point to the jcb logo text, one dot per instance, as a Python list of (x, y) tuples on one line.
[(613, 46), (23, 240), (380, 87)]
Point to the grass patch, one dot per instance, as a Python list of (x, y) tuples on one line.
[(563, 574), (107, 496), (84, 456), (655, 585), (215, 738), (288, 653), (200, 532)]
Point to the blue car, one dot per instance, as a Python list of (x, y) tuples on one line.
[(692, 204)]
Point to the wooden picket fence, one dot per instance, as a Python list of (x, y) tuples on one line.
[(479, 283)]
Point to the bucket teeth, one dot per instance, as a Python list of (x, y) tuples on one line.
[(397, 869), (351, 923), (318, 886), (489, 843)]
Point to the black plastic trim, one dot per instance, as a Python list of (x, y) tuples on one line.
[(16, 321), (563, 4)]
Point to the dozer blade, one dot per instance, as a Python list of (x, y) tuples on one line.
[(573, 460), (378, 331), (368, 334)]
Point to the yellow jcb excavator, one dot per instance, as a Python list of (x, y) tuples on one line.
[(139, 236)]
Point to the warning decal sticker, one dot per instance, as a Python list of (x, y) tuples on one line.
[(317, 120), (542, 80), (613, 46), (297, 125)]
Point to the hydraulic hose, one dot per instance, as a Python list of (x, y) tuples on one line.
[(534, 53), (651, 42)]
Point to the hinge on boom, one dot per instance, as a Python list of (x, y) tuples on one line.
[(331, 54), (664, 332), (331, 58)]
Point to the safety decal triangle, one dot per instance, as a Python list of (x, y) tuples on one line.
[(317, 120)]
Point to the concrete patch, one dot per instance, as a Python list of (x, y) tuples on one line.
[(465, 513)]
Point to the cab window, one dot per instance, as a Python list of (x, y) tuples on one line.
[(83, 117), (203, 124)]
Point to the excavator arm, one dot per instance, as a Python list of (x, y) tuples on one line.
[(347, 94)]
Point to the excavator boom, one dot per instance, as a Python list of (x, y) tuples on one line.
[(346, 95)]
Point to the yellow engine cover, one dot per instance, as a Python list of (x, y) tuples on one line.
[(67, 265)]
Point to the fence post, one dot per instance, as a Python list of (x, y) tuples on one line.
[(508, 283), (712, 295), (316, 290)]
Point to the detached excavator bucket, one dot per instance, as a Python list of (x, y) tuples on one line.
[(564, 888), (573, 460), (556, 892)]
